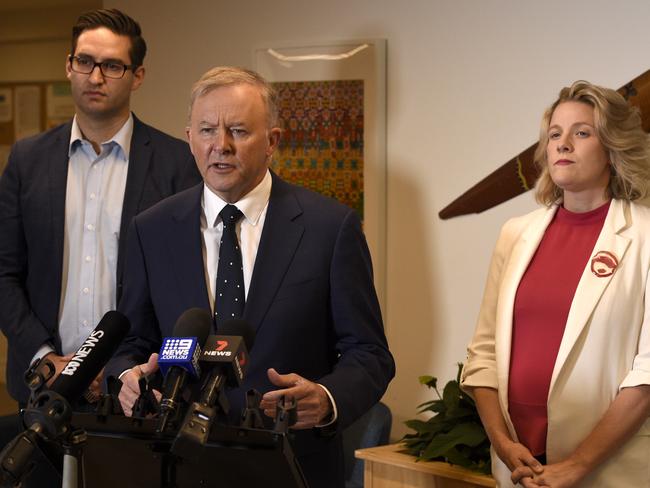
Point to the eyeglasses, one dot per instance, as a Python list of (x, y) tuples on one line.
[(109, 69)]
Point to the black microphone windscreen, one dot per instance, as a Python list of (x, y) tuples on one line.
[(241, 328), (194, 322), (92, 356)]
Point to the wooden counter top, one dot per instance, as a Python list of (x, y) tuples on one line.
[(387, 467)]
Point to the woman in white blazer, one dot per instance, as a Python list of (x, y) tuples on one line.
[(559, 364)]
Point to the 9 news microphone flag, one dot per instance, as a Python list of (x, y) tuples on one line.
[(178, 359)]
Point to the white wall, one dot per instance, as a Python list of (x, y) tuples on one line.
[(34, 42), (467, 83)]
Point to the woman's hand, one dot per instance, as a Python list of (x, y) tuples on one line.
[(565, 474), (516, 456), (519, 460), (623, 418)]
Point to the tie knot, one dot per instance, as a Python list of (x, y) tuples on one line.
[(230, 214)]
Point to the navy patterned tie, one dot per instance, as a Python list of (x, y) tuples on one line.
[(229, 298)]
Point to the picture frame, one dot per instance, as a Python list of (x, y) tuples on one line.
[(347, 64)]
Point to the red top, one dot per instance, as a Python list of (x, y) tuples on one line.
[(541, 309)]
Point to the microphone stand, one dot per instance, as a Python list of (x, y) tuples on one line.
[(251, 417), (286, 414), (72, 460), (47, 418), (146, 402)]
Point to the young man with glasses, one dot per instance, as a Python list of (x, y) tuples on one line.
[(68, 195)]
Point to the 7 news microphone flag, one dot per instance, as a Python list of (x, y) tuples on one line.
[(224, 359)]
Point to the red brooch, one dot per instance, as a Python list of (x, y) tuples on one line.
[(603, 264)]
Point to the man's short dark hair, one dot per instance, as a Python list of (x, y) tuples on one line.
[(118, 23)]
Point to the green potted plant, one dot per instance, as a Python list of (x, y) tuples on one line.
[(454, 433)]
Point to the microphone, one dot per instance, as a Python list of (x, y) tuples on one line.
[(92, 356), (227, 354), (48, 412), (179, 357), (78, 373), (227, 359)]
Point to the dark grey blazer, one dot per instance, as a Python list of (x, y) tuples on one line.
[(32, 214)]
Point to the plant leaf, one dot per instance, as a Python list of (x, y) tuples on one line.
[(430, 381), (468, 434), (459, 373), (456, 456), (451, 395), (426, 427), (437, 406), (453, 433)]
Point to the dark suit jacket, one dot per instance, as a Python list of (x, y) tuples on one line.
[(311, 301), (32, 214)]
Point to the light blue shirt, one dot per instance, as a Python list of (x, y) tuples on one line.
[(93, 212)]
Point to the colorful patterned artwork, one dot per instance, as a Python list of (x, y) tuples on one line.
[(322, 143)]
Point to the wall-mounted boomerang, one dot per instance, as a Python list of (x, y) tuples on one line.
[(520, 173)]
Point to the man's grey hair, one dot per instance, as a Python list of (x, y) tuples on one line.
[(228, 75)]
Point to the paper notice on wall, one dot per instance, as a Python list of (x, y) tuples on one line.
[(6, 112), (60, 107), (28, 111)]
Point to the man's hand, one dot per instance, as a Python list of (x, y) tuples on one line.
[(312, 401), (94, 391), (130, 390), (59, 363)]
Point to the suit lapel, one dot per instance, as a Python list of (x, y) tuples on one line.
[(58, 179), (591, 287), (280, 238), (139, 161), (183, 240), (522, 252)]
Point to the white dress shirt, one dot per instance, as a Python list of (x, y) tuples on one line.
[(249, 230), (93, 212)]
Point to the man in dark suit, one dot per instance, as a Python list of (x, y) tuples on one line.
[(305, 269), (68, 195)]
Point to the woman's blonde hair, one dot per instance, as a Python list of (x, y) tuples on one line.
[(618, 128)]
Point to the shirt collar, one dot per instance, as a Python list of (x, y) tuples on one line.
[(251, 205), (122, 137)]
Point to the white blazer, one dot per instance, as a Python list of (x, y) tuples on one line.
[(605, 346)]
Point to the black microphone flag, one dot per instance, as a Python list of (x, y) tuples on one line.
[(92, 356)]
